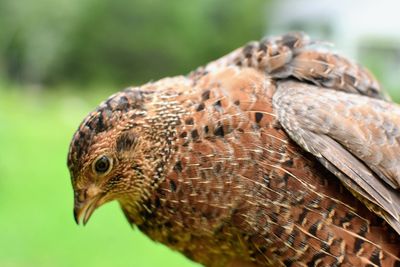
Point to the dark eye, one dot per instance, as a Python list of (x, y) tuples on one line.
[(102, 165)]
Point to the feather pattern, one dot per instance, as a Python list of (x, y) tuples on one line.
[(279, 154)]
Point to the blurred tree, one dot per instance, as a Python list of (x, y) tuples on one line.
[(34, 35), (120, 41)]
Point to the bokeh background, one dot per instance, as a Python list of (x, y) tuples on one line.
[(60, 58)]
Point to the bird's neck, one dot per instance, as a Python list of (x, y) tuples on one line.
[(161, 128)]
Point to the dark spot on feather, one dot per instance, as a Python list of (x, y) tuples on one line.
[(357, 245), (208, 215), (327, 81), (200, 107), (172, 185), (313, 229), (157, 203), (206, 129), (183, 135), (195, 134), (258, 116), (219, 131), (315, 203), (108, 105), (279, 229), (125, 141), (217, 168), (185, 144), (302, 216), (263, 249), (115, 180), (81, 135), (248, 49), (90, 124), (189, 121), (262, 46), (203, 175), (325, 246), (288, 163), (188, 253), (276, 125), (137, 168), (290, 238), (290, 40), (349, 79), (178, 166), (100, 126), (205, 95), (237, 102), (285, 178), (288, 262), (218, 105), (122, 104), (303, 244), (168, 224), (372, 91), (274, 217), (316, 257), (375, 257), (347, 218), (172, 240)]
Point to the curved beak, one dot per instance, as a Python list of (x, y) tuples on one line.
[(85, 205)]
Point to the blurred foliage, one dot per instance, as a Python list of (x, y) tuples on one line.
[(382, 58), (80, 41)]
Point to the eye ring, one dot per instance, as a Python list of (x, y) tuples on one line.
[(102, 165)]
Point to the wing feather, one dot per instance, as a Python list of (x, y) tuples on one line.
[(355, 137)]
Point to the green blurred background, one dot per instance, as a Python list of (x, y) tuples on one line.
[(60, 58)]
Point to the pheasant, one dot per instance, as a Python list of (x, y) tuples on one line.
[(280, 153)]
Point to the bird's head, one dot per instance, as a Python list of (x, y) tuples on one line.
[(117, 152)]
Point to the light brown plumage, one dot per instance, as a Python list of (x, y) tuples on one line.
[(243, 160)]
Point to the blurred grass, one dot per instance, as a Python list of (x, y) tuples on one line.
[(36, 195)]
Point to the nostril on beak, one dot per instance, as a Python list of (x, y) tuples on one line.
[(80, 195)]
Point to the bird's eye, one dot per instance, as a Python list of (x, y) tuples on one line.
[(102, 165)]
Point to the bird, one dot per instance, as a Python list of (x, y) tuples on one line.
[(280, 153)]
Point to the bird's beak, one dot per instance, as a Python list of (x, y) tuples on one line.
[(85, 205)]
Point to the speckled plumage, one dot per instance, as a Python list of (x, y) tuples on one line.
[(278, 154)]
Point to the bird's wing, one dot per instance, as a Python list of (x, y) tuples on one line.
[(356, 137), (295, 55)]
